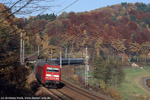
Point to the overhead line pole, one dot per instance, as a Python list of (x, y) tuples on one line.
[(86, 68), (21, 48), (51, 54), (66, 53), (38, 51), (60, 59), (23, 52)]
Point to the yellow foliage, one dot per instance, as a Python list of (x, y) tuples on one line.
[(145, 47), (45, 41), (26, 38), (102, 85), (75, 77), (84, 32), (134, 47), (106, 26), (118, 45), (2, 7), (114, 94), (99, 42), (38, 39), (147, 27), (119, 17)]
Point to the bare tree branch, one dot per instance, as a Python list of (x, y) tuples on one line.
[(10, 7), (16, 11)]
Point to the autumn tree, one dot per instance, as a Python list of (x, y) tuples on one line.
[(38, 39), (115, 94), (134, 48), (110, 29), (118, 45), (98, 44), (145, 48), (12, 74)]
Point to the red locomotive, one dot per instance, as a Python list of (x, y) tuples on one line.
[(47, 73)]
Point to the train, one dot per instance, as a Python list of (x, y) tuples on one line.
[(48, 73), (68, 61)]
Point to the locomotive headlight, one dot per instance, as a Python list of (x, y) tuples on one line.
[(48, 75), (56, 75)]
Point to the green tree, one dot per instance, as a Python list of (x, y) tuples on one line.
[(100, 68), (116, 73), (110, 71)]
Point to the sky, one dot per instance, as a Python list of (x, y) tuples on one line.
[(79, 6), (88, 5)]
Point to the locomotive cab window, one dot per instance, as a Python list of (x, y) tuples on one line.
[(49, 69), (55, 70), (52, 69)]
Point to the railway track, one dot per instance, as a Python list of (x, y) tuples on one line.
[(86, 93), (60, 95), (70, 91), (56, 94)]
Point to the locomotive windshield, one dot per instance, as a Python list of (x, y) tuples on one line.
[(55, 70), (52, 69)]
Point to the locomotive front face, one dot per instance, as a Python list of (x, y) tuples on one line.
[(52, 74)]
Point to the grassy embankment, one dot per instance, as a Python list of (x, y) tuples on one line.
[(131, 87)]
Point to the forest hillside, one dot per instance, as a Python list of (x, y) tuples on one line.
[(122, 28)]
